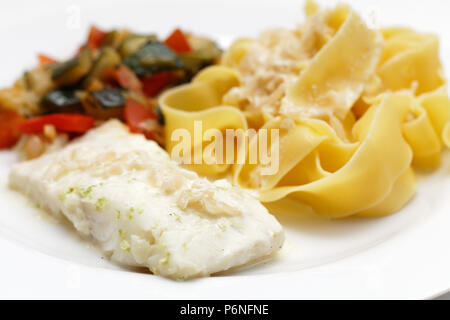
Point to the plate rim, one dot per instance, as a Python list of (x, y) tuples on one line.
[(376, 273)]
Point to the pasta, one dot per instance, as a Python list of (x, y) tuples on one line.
[(357, 110)]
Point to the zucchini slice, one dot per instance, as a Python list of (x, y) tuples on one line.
[(115, 38), (153, 57), (205, 52), (61, 101), (133, 43), (108, 59), (70, 72), (104, 104)]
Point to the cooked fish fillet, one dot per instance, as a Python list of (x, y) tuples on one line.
[(142, 209)]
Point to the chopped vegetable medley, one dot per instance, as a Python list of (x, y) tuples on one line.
[(115, 74)]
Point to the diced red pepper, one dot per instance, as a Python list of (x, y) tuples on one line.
[(45, 60), (125, 78), (96, 38), (9, 128), (109, 76), (135, 113), (153, 84), (65, 122), (178, 42)]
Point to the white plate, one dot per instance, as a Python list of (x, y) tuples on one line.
[(405, 255)]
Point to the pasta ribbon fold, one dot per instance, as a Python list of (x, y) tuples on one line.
[(201, 101), (370, 174), (410, 59), (337, 75), (357, 111)]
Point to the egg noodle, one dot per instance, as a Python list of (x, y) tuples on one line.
[(357, 109)]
